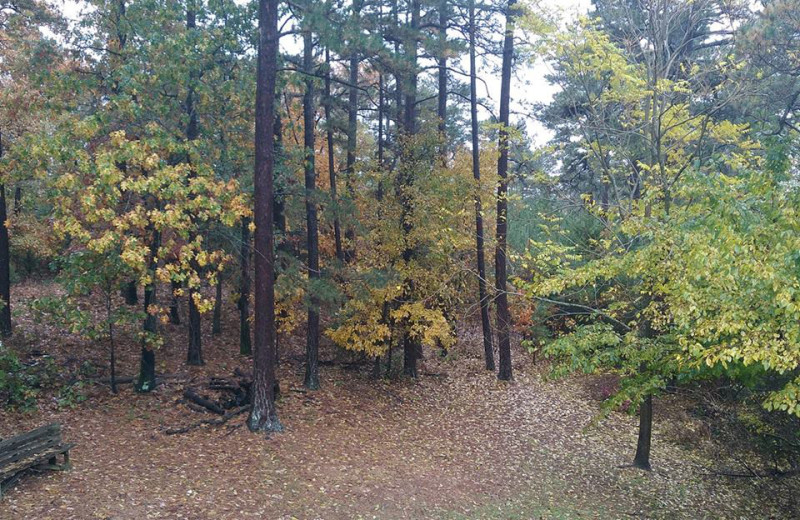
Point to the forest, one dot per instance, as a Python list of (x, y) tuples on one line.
[(449, 259)]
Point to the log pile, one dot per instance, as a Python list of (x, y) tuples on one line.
[(223, 396)]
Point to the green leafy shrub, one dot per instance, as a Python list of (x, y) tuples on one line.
[(21, 383)]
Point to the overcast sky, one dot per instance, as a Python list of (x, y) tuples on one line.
[(528, 86)]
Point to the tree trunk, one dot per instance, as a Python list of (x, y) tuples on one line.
[(503, 315), (642, 458), (129, 292), (263, 413), (412, 348), (216, 322), (17, 200), (244, 290), (5, 263), (311, 380), (337, 230), (352, 135), (111, 346), (381, 111), (483, 293), (174, 304), (410, 356), (441, 107), (194, 356), (147, 366)]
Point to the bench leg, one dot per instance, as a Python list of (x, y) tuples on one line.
[(67, 464), (53, 460)]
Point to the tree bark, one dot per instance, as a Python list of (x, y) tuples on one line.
[(5, 262), (111, 346), (311, 380), (129, 291), (147, 366), (216, 322), (244, 290), (17, 200), (263, 413), (441, 106), (503, 315), (194, 355), (174, 304), (412, 348), (352, 133), (337, 230), (483, 293), (642, 458), (381, 110)]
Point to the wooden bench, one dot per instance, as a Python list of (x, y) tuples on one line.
[(36, 449)]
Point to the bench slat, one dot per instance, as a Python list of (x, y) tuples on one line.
[(19, 440), (22, 452), (32, 460)]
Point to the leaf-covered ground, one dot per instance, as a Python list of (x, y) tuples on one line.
[(455, 444)]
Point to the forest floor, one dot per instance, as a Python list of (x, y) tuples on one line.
[(454, 444)]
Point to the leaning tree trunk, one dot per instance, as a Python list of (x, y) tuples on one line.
[(311, 380), (503, 314), (483, 293), (5, 263), (263, 414)]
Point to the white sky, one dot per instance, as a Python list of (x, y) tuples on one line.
[(528, 86)]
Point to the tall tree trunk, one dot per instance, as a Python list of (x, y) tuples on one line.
[(483, 293), (337, 230), (263, 413), (244, 290), (352, 132), (441, 106), (381, 113), (412, 348), (5, 262), (194, 355), (147, 365), (216, 322), (503, 315), (642, 457), (311, 380)]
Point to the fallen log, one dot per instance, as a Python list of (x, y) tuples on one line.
[(194, 397)]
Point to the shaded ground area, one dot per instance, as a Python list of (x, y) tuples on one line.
[(455, 444)]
